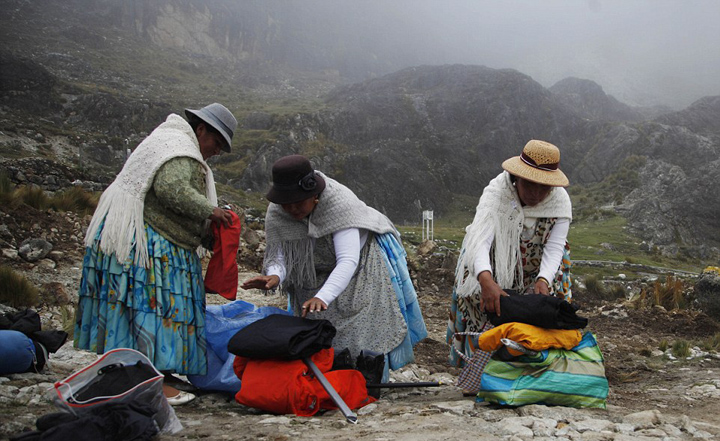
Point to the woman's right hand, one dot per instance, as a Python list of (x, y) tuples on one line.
[(221, 216), (261, 282), (491, 293)]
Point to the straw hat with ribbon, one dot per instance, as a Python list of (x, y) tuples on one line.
[(539, 162)]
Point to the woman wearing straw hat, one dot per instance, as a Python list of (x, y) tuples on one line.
[(339, 260), (141, 285), (517, 240)]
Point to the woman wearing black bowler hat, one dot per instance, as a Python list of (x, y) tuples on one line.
[(339, 260)]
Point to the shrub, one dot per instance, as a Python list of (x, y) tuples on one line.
[(7, 191), (712, 343), (16, 290), (669, 295), (594, 287), (664, 345), (618, 292)]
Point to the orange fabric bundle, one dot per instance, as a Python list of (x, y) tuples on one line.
[(288, 386), (529, 336)]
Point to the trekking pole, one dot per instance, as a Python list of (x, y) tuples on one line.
[(399, 385), (337, 399)]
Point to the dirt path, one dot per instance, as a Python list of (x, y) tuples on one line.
[(651, 395)]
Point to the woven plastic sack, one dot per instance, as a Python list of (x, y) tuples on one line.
[(119, 376), (553, 377)]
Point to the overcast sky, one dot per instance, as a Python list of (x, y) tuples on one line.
[(642, 52)]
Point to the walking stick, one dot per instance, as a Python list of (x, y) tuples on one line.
[(400, 385), (337, 399)]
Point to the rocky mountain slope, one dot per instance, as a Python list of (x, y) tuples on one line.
[(82, 81)]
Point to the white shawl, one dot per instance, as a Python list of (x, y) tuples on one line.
[(121, 205), (499, 211)]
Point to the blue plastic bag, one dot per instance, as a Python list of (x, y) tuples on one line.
[(221, 323)]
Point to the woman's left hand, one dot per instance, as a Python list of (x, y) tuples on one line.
[(313, 305)]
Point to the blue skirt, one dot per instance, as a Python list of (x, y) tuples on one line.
[(159, 311), (395, 259)]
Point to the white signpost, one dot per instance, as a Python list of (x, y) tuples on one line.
[(428, 228)]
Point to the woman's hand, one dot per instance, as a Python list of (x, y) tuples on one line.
[(491, 293), (542, 287), (221, 216), (313, 305), (261, 282)]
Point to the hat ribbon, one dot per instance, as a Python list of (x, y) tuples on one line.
[(545, 167), (307, 183)]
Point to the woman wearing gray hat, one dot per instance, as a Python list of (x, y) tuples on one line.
[(517, 241), (142, 285), (339, 260)]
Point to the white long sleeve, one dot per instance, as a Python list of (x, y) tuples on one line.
[(554, 249), (552, 252), (278, 269), (482, 259), (348, 244)]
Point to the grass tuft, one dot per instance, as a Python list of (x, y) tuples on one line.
[(16, 290), (681, 349), (669, 294), (664, 345), (32, 196), (75, 199)]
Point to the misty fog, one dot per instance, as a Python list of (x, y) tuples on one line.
[(643, 52)]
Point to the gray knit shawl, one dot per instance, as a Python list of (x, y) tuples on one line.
[(338, 209)]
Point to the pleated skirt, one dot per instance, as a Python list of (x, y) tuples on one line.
[(159, 311)]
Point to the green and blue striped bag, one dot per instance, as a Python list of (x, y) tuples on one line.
[(556, 377)]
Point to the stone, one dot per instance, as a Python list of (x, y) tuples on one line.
[(9, 253), (426, 248), (46, 264), (279, 420), (365, 410), (456, 407), (54, 293), (5, 231), (55, 255), (33, 250), (592, 425), (644, 419), (252, 239), (707, 294)]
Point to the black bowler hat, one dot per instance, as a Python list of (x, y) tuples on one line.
[(294, 180)]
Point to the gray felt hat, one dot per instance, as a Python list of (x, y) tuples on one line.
[(220, 118)]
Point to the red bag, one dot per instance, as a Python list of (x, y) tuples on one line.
[(288, 386), (222, 273)]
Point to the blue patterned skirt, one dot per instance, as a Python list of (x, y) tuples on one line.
[(395, 258), (159, 311)]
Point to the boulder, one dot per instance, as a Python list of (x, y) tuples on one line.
[(707, 294), (33, 250)]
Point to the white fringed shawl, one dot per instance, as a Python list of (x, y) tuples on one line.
[(121, 205), (339, 208), (499, 211)]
